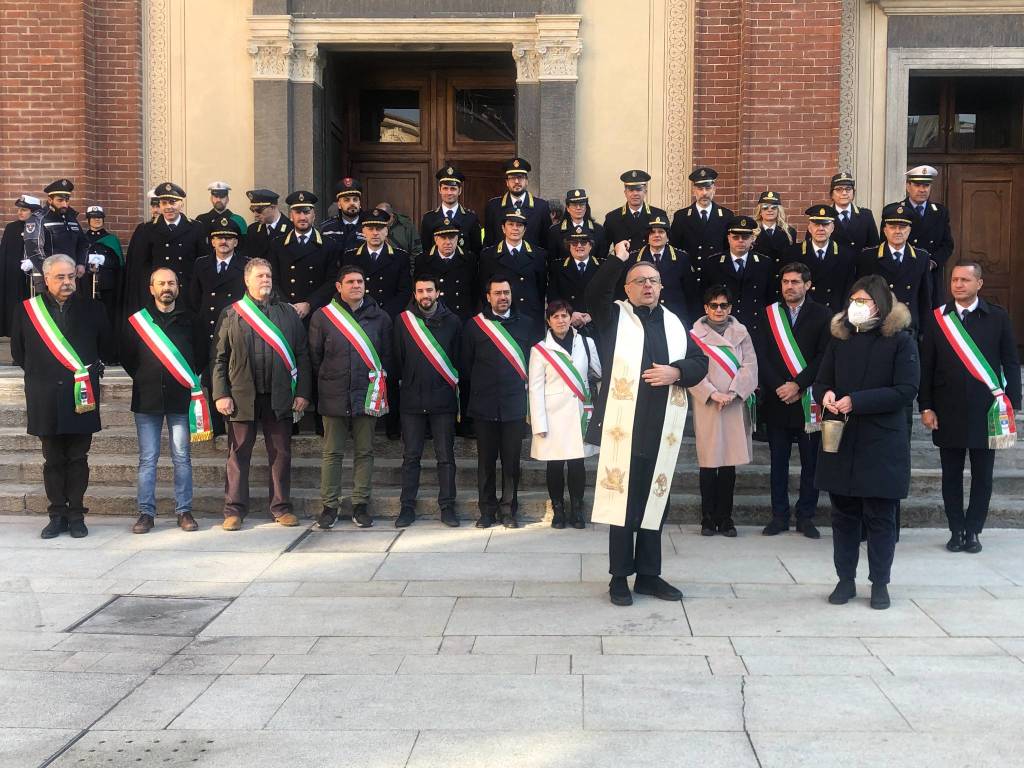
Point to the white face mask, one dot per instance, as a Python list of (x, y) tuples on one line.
[(858, 313)]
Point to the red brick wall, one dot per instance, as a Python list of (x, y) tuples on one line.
[(71, 104), (766, 106)]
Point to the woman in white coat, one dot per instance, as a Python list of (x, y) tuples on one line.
[(561, 369), (721, 411)]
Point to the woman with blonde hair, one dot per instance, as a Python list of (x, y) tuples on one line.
[(774, 233)]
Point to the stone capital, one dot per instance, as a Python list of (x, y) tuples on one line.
[(271, 59)]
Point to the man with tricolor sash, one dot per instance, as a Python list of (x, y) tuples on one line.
[(261, 378), (494, 347), (157, 352), (969, 396), (793, 337), (350, 350), (60, 338), (638, 419)]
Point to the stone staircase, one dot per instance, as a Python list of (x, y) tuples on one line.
[(114, 458)]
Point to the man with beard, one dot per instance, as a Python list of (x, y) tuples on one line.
[(700, 228), (59, 339), (157, 353), (61, 221), (428, 337), (344, 230), (219, 200), (268, 227), (535, 212), (261, 378)]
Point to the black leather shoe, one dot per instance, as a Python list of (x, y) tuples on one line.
[(808, 529), (328, 517), (405, 518), (486, 520), (728, 530), (971, 543), (77, 529), (52, 529), (576, 519), (956, 541), (707, 530), (449, 518), (361, 517), (558, 514), (844, 592), (510, 520), (879, 597), (618, 591), (775, 527), (656, 587)]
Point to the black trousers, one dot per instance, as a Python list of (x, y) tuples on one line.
[(414, 436), (851, 514), (780, 444), (982, 461), (644, 556), (66, 474), (717, 485), (496, 439), (556, 479)]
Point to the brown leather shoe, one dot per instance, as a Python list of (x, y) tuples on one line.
[(144, 524), (232, 523), (187, 523), (287, 519)]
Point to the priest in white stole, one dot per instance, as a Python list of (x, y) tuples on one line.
[(638, 419)]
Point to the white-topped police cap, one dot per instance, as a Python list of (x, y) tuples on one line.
[(152, 195), (31, 202), (219, 188), (922, 174), (95, 212)]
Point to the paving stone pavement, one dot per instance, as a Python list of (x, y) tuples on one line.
[(435, 647)]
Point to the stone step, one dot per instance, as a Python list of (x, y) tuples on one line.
[(749, 509)]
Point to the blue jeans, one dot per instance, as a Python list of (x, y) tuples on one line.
[(780, 444), (148, 427)]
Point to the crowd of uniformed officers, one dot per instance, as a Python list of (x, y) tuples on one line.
[(481, 327)]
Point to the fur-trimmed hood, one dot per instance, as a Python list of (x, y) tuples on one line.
[(898, 320)]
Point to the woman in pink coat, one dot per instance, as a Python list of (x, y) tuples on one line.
[(721, 408)]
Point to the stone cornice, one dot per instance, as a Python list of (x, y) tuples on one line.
[(948, 7)]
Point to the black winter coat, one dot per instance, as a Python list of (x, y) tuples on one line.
[(388, 279), (698, 239), (49, 386), (342, 376), (880, 370), (496, 392), (960, 401), (65, 234), (423, 389), (15, 282), (620, 225), (832, 277), (154, 389), (536, 211)]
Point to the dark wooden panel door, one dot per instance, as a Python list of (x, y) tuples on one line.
[(404, 185)]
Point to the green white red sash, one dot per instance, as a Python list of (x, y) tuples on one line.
[(503, 340), (1002, 428), (270, 333), (376, 402), (728, 362), (430, 348), (563, 366), (782, 332), (60, 347), (172, 360)]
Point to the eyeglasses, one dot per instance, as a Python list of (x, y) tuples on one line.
[(862, 302), (645, 281), (718, 305), (766, 207)]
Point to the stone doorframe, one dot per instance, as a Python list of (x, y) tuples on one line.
[(288, 61)]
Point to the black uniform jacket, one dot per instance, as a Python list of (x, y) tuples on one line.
[(49, 386), (832, 276), (536, 211), (558, 246), (496, 392), (305, 273), (65, 234), (565, 281), (471, 233), (210, 292), (456, 280), (620, 224), (811, 332), (960, 401), (859, 233), (880, 371), (909, 280), (388, 278), (751, 292), (698, 239), (177, 249), (679, 291), (650, 401), (527, 273)]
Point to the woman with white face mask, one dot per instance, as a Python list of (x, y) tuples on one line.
[(868, 377)]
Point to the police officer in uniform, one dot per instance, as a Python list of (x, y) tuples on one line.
[(904, 267), (219, 200), (679, 291), (217, 282), (577, 214), (525, 266), (749, 276), (855, 226), (929, 230), (450, 181), (454, 268), (831, 262), (774, 235), (568, 278), (305, 263), (345, 229), (630, 221), (700, 228), (105, 265), (388, 274), (269, 225), (534, 209), (65, 234)]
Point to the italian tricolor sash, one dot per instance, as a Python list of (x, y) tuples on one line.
[(376, 402), (503, 340), (172, 360), (60, 347), (1002, 429), (727, 360), (563, 366), (782, 332), (270, 333), (430, 348)]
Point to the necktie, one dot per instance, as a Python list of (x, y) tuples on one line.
[(770, 231), (513, 252), (582, 267), (821, 254), (518, 204), (657, 258), (704, 216), (302, 239), (221, 267), (920, 210), (898, 257), (172, 227), (374, 255), (636, 214), (964, 314), (738, 263), (845, 216), (793, 312)]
